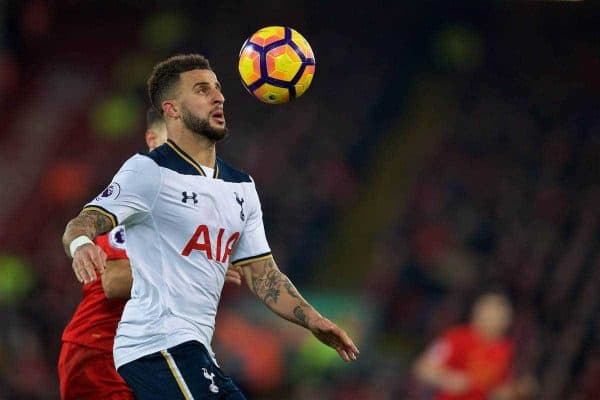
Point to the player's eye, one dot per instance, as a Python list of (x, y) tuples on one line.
[(201, 89)]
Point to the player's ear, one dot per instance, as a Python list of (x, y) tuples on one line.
[(170, 109), (150, 139)]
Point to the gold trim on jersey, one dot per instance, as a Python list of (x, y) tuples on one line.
[(181, 153), (185, 390), (249, 260), (102, 211)]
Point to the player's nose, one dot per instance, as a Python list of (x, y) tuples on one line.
[(218, 97)]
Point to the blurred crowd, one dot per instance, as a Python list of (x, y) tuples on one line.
[(506, 196), (509, 199)]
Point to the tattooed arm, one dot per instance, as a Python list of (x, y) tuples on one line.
[(278, 293), (88, 258)]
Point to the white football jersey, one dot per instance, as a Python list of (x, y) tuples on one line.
[(183, 229)]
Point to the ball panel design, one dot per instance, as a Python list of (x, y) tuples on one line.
[(249, 65), (268, 35), (272, 94), (305, 80), (283, 63), (302, 44)]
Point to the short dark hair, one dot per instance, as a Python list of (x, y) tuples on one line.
[(152, 118), (165, 75)]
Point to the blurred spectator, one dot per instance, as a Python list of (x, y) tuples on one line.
[(474, 361)]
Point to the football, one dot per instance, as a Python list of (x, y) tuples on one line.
[(276, 64)]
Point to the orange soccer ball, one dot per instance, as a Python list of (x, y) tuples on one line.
[(276, 64)]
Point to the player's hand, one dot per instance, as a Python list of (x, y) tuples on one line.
[(334, 337), (525, 387), (455, 383), (88, 259), (233, 275)]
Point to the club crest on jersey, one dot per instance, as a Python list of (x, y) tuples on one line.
[(112, 191), (240, 201), (192, 197), (211, 377)]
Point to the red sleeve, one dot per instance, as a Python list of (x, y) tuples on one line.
[(448, 349), (111, 252), (509, 374)]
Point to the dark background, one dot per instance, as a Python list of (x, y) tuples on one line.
[(442, 149)]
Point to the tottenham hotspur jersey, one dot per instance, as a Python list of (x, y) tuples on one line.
[(183, 229)]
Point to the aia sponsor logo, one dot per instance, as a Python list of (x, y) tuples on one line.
[(202, 241)]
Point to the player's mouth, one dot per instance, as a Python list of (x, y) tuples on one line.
[(218, 116)]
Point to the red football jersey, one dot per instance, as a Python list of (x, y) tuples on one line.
[(95, 320), (486, 363)]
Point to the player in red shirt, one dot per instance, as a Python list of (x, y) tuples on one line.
[(473, 361), (85, 367)]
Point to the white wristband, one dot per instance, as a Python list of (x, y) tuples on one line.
[(78, 241)]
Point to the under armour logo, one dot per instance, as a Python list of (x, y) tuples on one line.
[(212, 387), (186, 197), (240, 201)]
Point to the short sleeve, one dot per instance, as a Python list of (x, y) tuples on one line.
[(252, 245), (131, 193)]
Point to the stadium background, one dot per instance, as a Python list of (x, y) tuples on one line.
[(441, 148)]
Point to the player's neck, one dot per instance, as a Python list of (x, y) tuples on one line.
[(200, 148), (487, 335)]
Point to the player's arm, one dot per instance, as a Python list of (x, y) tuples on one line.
[(117, 279), (525, 387), (87, 257), (430, 369), (234, 275), (274, 288)]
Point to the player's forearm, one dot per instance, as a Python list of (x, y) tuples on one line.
[(117, 280), (278, 293), (87, 223), (289, 304), (428, 374), (441, 377)]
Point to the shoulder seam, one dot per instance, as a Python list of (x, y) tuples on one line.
[(147, 156), (160, 183)]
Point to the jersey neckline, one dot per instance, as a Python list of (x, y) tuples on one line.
[(187, 158)]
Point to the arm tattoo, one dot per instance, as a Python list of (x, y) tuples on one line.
[(300, 316), (268, 286), (100, 223), (89, 223), (292, 291), (299, 309)]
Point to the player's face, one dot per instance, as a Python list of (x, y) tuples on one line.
[(202, 104), (492, 315)]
